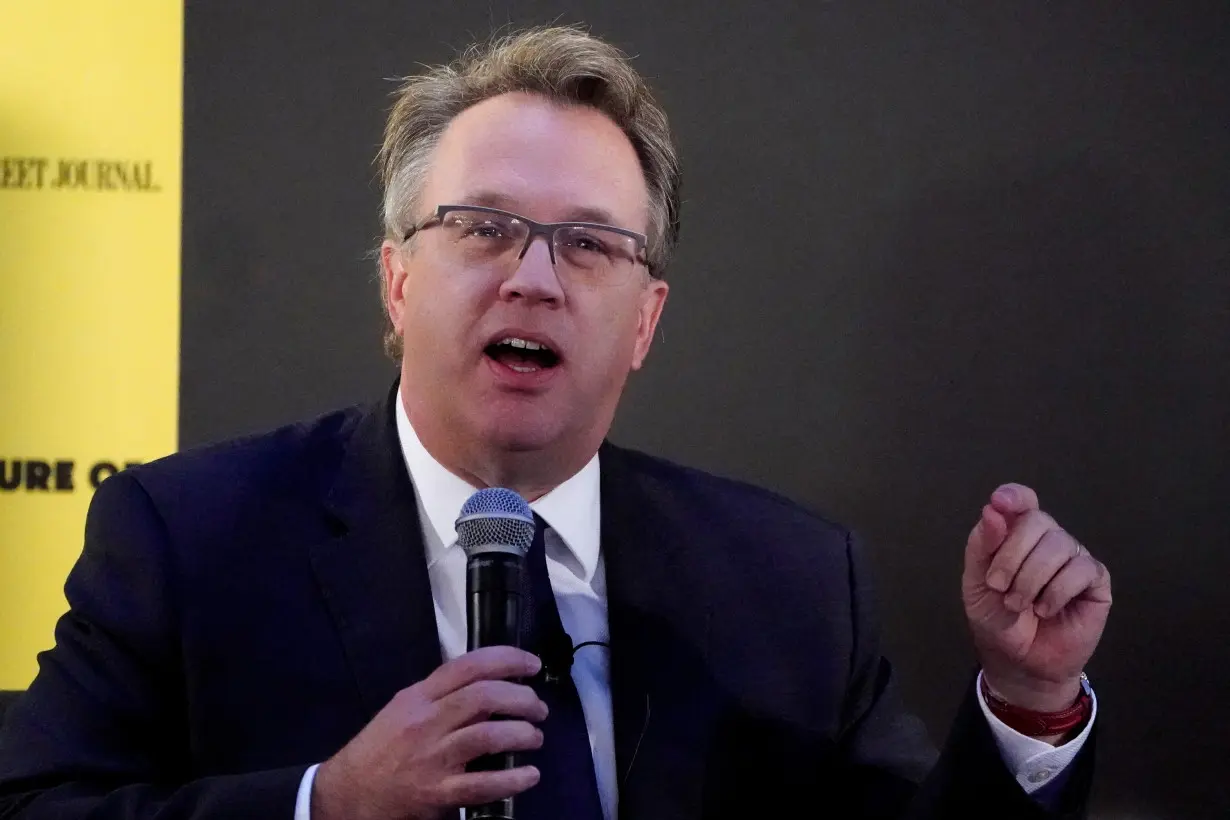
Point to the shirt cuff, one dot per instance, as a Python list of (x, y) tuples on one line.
[(303, 802), (1033, 762)]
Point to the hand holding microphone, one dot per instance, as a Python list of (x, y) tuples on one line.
[(410, 761), (435, 747)]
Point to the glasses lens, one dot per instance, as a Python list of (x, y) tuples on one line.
[(481, 239), (596, 252)]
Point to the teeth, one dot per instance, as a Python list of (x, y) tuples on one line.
[(513, 341)]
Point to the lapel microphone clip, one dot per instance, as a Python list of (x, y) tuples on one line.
[(557, 656)]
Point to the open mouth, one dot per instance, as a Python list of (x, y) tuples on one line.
[(522, 355)]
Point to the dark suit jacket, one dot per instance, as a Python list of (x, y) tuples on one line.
[(241, 611)]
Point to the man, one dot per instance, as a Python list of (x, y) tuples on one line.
[(245, 612)]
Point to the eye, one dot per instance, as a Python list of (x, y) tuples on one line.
[(588, 243), (488, 229), (472, 225)]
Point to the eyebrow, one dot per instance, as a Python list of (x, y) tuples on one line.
[(493, 199)]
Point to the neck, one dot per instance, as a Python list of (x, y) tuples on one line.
[(525, 486)]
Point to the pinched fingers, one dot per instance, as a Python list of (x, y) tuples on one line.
[(1082, 576), (1047, 558), (1014, 499), (1022, 538), (984, 540)]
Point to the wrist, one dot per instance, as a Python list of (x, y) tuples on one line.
[(1052, 725), (1034, 696), (327, 802)]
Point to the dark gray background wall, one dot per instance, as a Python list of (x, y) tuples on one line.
[(927, 247)]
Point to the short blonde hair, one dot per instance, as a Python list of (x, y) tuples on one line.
[(561, 63)]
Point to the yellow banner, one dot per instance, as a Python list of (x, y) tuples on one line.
[(90, 131)]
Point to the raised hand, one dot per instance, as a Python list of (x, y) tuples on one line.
[(1036, 601)]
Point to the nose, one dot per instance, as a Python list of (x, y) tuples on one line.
[(533, 278)]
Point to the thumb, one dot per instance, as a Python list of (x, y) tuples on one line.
[(1014, 499), (984, 541)]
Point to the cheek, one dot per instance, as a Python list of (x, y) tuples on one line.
[(439, 311), (612, 333)]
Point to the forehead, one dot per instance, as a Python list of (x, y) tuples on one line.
[(548, 161)]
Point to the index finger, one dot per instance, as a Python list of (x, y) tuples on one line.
[(984, 540), (488, 663)]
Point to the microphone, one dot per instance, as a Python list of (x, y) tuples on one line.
[(496, 528), (558, 653)]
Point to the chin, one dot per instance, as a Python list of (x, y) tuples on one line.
[(522, 432)]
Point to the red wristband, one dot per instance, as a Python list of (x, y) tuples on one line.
[(1040, 724)]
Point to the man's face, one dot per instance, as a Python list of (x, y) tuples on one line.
[(549, 163)]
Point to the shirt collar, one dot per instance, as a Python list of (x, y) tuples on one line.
[(572, 510)]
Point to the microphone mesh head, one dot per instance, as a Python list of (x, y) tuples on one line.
[(495, 516)]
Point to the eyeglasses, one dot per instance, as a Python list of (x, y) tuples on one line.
[(494, 240)]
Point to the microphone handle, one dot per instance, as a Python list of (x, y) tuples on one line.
[(494, 589)]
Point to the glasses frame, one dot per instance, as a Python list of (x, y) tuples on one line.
[(546, 230)]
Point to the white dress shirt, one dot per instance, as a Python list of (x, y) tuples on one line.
[(572, 512)]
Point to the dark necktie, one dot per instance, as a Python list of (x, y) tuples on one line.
[(567, 789)]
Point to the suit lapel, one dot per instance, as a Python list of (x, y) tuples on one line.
[(662, 694), (373, 572)]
